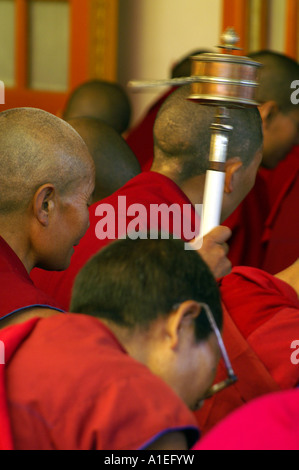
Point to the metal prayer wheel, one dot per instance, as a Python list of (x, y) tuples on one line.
[(225, 79), (217, 79)]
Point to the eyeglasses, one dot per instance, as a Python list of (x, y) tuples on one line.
[(231, 376)]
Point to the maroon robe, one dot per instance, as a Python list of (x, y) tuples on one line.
[(281, 234), (17, 289), (72, 386), (268, 423)]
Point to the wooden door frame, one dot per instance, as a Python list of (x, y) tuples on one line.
[(93, 52), (235, 13), (291, 36)]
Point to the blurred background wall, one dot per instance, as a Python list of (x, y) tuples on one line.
[(48, 47), (154, 34)]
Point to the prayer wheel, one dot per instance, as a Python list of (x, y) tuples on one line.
[(225, 79), (219, 79)]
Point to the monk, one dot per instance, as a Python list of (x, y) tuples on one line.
[(252, 223), (102, 100), (47, 179), (115, 379), (252, 299), (115, 163)]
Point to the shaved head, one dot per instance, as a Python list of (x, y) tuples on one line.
[(38, 148), (115, 163), (182, 133), (102, 100), (276, 76)]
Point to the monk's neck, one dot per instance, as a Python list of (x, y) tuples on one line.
[(192, 187), (15, 235)]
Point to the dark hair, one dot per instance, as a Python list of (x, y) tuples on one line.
[(276, 76), (133, 282)]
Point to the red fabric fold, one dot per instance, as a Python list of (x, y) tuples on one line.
[(261, 320), (267, 423), (11, 339)]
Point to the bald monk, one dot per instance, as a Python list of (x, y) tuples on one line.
[(250, 296), (281, 132), (100, 99), (115, 163), (46, 178)]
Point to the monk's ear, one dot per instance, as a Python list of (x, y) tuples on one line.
[(232, 167), (268, 112), (180, 321), (43, 203)]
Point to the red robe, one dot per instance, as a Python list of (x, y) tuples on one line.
[(11, 339), (82, 391), (262, 323), (267, 423), (265, 225), (17, 289), (247, 225), (281, 234)]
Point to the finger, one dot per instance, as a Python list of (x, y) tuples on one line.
[(219, 234), (223, 270), (225, 247)]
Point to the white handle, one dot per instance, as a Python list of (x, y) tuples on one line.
[(212, 200)]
